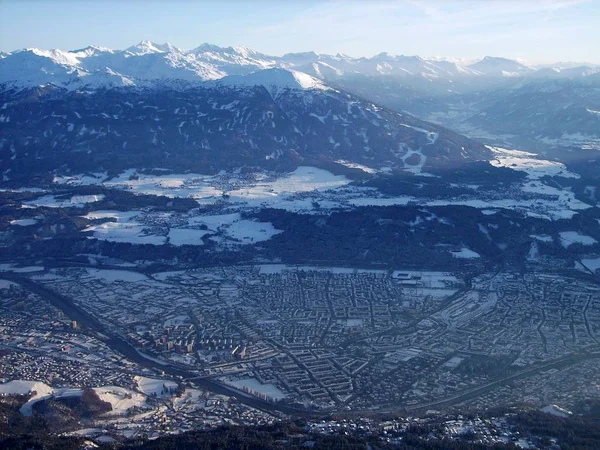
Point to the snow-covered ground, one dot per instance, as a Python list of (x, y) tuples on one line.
[(465, 253), (177, 320), (190, 397), (120, 399), (154, 387), (26, 269), (38, 390), (352, 165), (116, 275), (568, 238), (186, 236), (306, 190), (23, 387), (77, 201), (210, 188), (592, 264), (542, 237), (123, 228), (24, 222), (535, 168), (556, 411), (253, 385), (147, 227), (249, 231)]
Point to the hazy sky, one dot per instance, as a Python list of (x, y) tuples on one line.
[(534, 30)]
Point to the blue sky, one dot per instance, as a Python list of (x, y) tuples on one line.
[(533, 30)]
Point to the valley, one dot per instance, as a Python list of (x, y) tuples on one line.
[(214, 239)]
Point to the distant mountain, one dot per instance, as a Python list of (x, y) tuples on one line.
[(544, 113), (501, 67), (148, 64), (493, 98)]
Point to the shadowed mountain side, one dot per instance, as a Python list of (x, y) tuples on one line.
[(212, 128)]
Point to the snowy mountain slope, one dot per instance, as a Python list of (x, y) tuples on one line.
[(215, 126), (274, 80), (492, 98)]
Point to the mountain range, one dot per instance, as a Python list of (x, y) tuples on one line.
[(148, 63), (498, 100)]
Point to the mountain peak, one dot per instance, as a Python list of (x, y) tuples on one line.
[(495, 65), (90, 50), (301, 55), (148, 47), (211, 48), (206, 47), (56, 56)]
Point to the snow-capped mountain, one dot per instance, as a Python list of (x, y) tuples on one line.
[(484, 96), (275, 80), (151, 64), (504, 67)]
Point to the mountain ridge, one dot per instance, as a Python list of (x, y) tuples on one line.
[(146, 62), (217, 126)]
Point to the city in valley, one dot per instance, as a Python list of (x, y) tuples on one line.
[(178, 350), (332, 240)]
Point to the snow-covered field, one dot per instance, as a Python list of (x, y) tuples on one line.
[(352, 165), (154, 387), (147, 227), (23, 387), (535, 168), (253, 385), (465, 253), (116, 275), (26, 269), (5, 284), (186, 236), (24, 222), (77, 201), (123, 228), (210, 188), (568, 238), (542, 237), (306, 190), (120, 399), (592, 264), (249, 231)]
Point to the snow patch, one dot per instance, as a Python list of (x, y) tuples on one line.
[(154, 387), (568, 238), (465, 253), (535, 168)]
